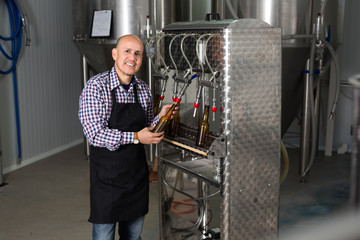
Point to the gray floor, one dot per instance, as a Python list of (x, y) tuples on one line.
[(49, 200)]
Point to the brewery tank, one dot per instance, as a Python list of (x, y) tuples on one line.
[(127, 17), (294, 18)]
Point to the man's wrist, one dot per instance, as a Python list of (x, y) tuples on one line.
[(136, 138)]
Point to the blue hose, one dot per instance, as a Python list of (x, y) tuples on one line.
[(16, 41)]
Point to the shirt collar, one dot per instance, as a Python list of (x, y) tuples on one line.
[(114, 80)]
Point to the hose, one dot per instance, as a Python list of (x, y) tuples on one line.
[(312, 108), (286, 163), (198, 54), (337, 71), (332, 113), (198, 201), (231, 9), (170, 54), (183, 202), (183, 52), (17, 21), (311, 71)]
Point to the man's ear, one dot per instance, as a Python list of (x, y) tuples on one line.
[(114, 53)]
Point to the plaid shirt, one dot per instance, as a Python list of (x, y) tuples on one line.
[(95, 109)]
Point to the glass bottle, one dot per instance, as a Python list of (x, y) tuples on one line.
[(164, 120), (156, 105), (174, 124), (203, 129)]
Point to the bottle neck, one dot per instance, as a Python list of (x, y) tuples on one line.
[(206, 113), (168, 114)]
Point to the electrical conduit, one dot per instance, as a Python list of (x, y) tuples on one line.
[(16, 24)]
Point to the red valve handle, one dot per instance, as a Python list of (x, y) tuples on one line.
[(178, 100), (196, 105), (174, 99), (213, 109), (162, 97)]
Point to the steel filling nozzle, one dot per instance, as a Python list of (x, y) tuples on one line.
[(186, 85)]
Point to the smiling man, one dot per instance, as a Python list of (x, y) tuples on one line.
[(116, 113)]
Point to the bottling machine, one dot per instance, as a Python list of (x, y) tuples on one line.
[(230, 187)]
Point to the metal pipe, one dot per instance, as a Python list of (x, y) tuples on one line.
[(355, 166), (25, 23), (317, 112), (150, 82), (85, 68), (206, 216), (305, 123), (1, 168), (310, 101)]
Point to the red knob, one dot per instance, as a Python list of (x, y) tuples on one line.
[(196, 105), (161, 97), (214, 109)]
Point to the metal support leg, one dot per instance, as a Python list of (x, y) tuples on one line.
[(1, 169), (330, 122), (206, 217), (305, 125), (85, 68), (317, 112), (355, 165)]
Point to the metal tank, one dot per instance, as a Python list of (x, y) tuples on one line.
[(128, 17), (294, 18)]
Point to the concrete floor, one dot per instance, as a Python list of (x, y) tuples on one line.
[(49, 200)]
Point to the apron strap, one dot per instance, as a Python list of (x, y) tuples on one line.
[(113, 97)]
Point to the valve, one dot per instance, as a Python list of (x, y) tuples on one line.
[(197, 102), (176, 80), (174, 87), (213, 107), (210, 84), (187, 82), (164, 77)]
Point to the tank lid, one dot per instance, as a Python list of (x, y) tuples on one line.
[(199, 25)]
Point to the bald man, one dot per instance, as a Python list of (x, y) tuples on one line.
[(116, 112)]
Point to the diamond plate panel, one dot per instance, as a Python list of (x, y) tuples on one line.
[(252, 116), (247, 53)]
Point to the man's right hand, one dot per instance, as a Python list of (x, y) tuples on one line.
[(146, 136)]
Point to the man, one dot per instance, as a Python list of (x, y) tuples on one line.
[(116, 113)]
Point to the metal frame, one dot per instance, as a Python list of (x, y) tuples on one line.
[(243, 160)]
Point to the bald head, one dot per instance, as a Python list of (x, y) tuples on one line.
[(129, 37)]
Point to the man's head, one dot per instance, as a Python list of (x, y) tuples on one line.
[(128, 56)]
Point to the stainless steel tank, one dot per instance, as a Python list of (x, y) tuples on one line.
[(128, 17), (293, 17)]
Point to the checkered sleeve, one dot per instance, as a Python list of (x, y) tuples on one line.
[(94, 111)]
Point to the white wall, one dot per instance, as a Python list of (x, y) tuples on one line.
[(49, 84)]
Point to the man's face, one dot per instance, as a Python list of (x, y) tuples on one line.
[(128, 57)]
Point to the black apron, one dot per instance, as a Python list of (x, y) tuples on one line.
[(119, 180)]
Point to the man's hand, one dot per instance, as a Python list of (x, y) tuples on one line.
[(146, 136), (166, 108)]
